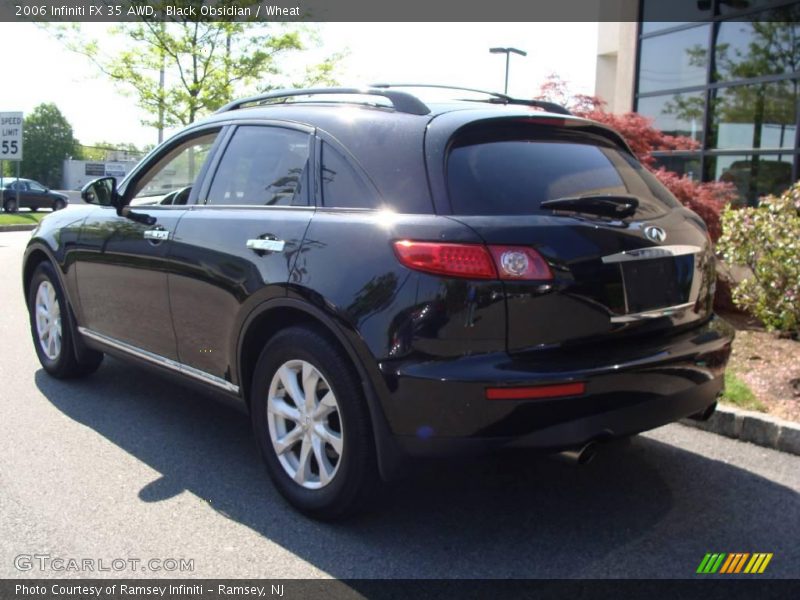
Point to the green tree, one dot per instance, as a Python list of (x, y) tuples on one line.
[(47, 139), (100, 151), (204, 64), (768, 47), (772, 48)]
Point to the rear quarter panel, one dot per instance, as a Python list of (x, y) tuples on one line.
[(347, 267)]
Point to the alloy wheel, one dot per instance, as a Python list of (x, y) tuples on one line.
[(48, 320), (305, 427)]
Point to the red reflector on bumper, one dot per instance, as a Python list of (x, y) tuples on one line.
[(539, 391)]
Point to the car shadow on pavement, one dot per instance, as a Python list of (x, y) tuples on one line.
[(649, 509)]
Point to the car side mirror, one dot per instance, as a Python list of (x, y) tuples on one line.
[(103, 192)]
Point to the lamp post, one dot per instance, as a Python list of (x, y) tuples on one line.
[(507, 52)]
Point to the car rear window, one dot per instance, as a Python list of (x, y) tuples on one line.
[(511, 169)]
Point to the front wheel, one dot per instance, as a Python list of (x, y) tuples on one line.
[(52, 328), (58, 205), (312, 425)]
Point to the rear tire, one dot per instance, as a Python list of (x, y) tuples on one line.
[(319, 450), (53, 330), (10, 206), (33, 209)]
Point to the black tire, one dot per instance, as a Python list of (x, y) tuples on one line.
[(65, 364), (33, 209), (58, 205), (356, 478), (10, 206)]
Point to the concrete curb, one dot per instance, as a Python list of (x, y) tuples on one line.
[(748, 426), (17, 228)]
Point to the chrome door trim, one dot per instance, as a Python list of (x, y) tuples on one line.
[(161, 361), (650, 253)]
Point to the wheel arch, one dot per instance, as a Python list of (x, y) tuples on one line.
[(35, 255), (33, 258), (277, 314)]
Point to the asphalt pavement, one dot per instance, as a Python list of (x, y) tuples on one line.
[(128, 465)]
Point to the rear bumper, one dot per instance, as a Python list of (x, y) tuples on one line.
[(440, 407)]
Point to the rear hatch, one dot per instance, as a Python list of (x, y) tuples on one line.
[(626, 257)]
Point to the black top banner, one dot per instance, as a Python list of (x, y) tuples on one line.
[(266, 11)]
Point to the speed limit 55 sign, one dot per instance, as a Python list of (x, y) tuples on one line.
[(10, 136)]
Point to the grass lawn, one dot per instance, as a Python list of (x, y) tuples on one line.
[(764, 371), (739, 394), (22, 218)]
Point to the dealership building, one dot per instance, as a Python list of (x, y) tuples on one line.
[(726, 76)]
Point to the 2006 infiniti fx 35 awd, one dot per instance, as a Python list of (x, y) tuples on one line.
[(376, 277)]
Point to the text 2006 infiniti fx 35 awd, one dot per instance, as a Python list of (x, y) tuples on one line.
[(375, 278)]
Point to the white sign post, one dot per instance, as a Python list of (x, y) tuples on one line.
[(10, 136), (10, 145)]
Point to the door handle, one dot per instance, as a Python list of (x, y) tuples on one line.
[(156, 234), (262, 245)]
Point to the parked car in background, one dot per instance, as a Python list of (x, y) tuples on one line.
[(374, 277), (27, 193)]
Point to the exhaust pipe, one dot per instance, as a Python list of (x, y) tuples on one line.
[(579, 456), (706, 414)]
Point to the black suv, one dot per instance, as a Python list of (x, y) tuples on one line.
[(376, 277)]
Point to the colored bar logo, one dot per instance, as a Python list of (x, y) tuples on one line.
[(729, 564)]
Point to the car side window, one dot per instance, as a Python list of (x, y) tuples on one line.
[(35, 187), (170, 179), (342, 186), (263, 166)]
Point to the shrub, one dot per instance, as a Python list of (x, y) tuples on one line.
[(767, 241), (706, 199)]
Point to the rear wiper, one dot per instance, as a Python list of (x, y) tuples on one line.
[(617, 206)]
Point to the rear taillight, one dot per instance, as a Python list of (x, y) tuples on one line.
[(473, 261), (457, 260)]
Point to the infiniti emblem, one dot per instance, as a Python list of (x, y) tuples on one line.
[(655, 233)]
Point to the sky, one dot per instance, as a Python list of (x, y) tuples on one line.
[(42, 70)]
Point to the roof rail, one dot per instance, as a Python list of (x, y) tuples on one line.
[(496, 97), (543, 104), (439, 87), (401, 101)]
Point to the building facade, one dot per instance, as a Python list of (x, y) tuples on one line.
[(78, 173), (728, 79)]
